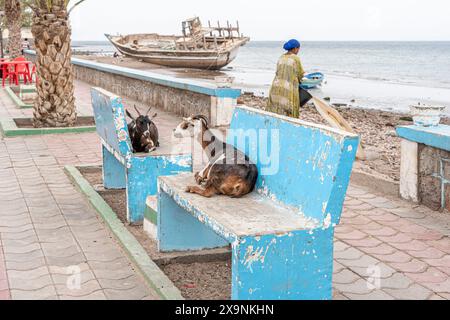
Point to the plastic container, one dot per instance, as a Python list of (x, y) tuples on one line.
[(426, 116), (224, 81)]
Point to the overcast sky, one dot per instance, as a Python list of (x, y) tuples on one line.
[(270, 19)]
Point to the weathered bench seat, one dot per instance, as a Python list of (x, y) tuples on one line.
[(282, 234), (253, 215), (123, 169)]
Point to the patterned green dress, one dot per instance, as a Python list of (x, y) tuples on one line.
[(284, 97)]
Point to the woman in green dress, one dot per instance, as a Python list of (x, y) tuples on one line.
[(284, 96)]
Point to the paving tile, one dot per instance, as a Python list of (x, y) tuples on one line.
[(383, 249), (5, 295), (345, 277), (442, 244), (396, 257), (84, 289), (398, 238), (98, 295), (438, 287), (31, 274), (414, 245), (70, 260), (349, 254), (21, 249), (413, 266), (396, 281), (63, 279), (24, 257), (336, 296), (136, 293), (368, 242), (383, 231), (30, 284), (24, 266), (353, 235), (363, 262), (358, 287), (430, 253), (442, 262), (431, 275), (414, 292), (41, 294), (374, 295)]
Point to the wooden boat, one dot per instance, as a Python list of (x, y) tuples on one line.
[(312, 80), (198, 47)]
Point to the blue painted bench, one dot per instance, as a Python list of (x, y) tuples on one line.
[(137, 173), (282, 234)]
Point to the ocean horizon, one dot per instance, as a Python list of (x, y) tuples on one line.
[(388, 75)]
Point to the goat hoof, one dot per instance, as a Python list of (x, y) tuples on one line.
[(188, 189), (198, 178)]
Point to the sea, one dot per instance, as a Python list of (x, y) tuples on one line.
[(377, 75)]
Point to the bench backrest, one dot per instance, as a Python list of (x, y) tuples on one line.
[(307, 166), (111, 122)]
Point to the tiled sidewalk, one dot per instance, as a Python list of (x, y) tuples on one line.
[(407, 246), (386, 248)]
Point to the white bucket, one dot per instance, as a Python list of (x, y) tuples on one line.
[(427, 116)]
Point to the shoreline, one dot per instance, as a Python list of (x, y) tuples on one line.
[(376, 127)]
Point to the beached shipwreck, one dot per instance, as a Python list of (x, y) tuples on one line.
[(199, 47)]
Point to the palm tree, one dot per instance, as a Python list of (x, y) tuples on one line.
[(55, 102), (13, 14)]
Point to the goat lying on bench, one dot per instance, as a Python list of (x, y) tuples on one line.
[(143, 132), (281, 235), (229, 171)]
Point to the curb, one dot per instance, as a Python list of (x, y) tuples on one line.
[(9, 128), (374, 183), (19, 103), (153, 276)]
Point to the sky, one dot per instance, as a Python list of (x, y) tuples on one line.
[(313, 20)]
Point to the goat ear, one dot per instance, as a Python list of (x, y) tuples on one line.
[(129, 114)]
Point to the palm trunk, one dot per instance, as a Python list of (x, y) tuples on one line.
[(55, 104), (13, 13)]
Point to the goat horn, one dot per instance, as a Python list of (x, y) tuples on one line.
[(135, 108), (148, 111)]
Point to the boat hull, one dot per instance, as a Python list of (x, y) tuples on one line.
[(181, 59)]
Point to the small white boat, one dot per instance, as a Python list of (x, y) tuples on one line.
[(312, 80)]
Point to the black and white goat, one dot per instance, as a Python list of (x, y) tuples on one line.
[(143, 132), (229, 171)]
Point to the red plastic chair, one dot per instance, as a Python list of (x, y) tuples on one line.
[(21, 70), (33, 73), (8, 72)]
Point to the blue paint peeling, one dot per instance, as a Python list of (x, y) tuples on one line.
[(315, 163), (314, 170), (123, 169), (437, 137)]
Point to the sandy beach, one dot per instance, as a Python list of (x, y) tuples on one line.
[(375, 127)]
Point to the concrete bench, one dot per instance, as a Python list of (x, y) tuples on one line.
[(137, 173), (282, 234), (425, 165)]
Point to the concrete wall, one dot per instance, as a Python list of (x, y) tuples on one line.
[(425, 168), (434, 167), (182, 96), (181, 102)]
